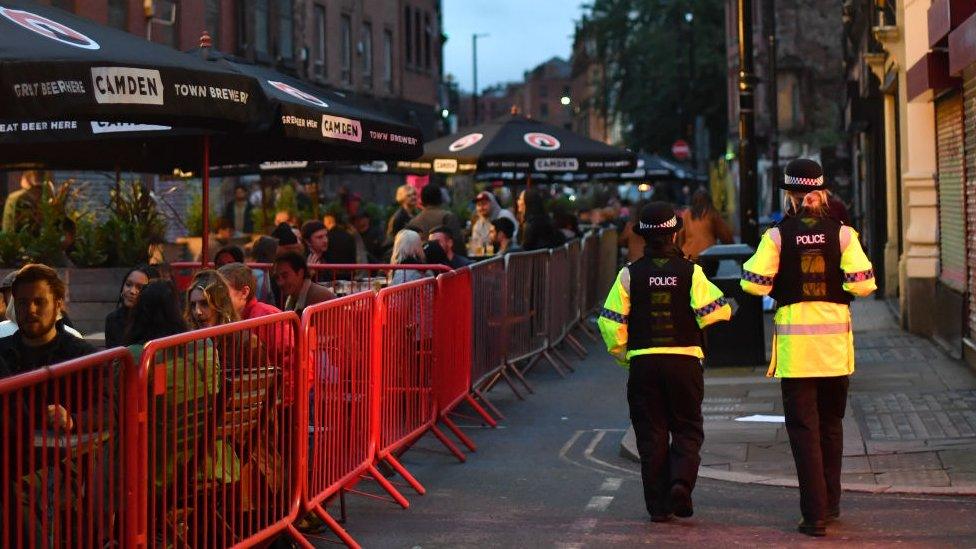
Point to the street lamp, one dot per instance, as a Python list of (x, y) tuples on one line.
[(689, 17), (564, 100), (474, 69)]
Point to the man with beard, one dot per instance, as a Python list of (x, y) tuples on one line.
[(38, 296)]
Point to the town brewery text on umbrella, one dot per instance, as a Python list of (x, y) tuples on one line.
[(519, 144), (62, 76)]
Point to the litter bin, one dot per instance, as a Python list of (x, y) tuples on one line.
[(741, 341)]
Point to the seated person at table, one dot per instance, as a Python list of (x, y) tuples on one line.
[(291, 274), (38, 297), (442, 235), (408, 249), (502, 235)]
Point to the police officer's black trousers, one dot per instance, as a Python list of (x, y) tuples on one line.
[(665, 396), (814, 408)]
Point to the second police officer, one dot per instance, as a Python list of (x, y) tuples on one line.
[(812, 266), (651, 322)]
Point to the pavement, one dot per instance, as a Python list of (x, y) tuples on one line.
[(551, 475), (910, 425)]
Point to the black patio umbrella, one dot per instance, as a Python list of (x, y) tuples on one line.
[(55, 65), (519, 144), (302, 123)]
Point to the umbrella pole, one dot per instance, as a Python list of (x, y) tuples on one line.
[(205, 206)]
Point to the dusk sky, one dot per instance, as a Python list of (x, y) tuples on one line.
[(522, 34)]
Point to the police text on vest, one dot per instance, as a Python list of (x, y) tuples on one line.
[(663, 281), (811, 239)]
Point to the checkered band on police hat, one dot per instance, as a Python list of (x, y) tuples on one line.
[(657, 218), (803, 174)]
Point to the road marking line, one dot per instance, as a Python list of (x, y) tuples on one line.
[(588, 454), (599, 503), (569, 545), (611, 484)]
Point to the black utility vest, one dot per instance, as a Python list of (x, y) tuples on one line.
[(660, 304), (809, 262)]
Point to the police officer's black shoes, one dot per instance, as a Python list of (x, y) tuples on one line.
[(833, 514), (681, 500), (665, 517), (815, 528)]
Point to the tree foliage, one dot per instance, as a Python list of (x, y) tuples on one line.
[(646, 46)]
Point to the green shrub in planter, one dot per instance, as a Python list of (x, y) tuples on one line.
[(90, 245), (134, 224)]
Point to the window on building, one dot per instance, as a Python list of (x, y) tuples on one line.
[(408, 28), (285, 15), (118, 14), (790, 112), (318, 53), (417, 38), (544, 110), (345, 50), (388, 60), (367, 54), (212, 20), (164, 33), (261, 27), (543, 91), (243, 12), (427, 40)]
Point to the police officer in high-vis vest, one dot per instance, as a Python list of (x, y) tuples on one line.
[(813, 266), (652, 322)]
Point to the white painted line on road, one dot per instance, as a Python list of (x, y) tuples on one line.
[(569, 545), (611, 484), (588, 454), (760, 418), (599, 503)]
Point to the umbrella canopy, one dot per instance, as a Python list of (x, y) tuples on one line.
[(58, 66), (303, 123), (517, 143)]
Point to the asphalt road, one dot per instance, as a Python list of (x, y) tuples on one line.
[(551, 476)]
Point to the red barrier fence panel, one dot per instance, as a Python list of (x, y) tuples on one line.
[(225, 467), (609, 254), (338, 349), (453, 334), (527, 303), (452, 338), (489, 296), (574, 295), (559, 290), (69, 455), (589, 280), (403, 336)]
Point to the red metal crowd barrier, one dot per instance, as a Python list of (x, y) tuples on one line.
[(489, 327), (558, 307), (403, 335), (225, 467), (452, 350), (69, 466), (338, 349)]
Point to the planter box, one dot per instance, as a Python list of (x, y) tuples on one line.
[(92, 294)]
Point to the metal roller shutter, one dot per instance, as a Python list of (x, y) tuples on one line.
[(952, 221), (969, 87)]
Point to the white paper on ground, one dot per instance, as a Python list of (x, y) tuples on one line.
[(760, 418)]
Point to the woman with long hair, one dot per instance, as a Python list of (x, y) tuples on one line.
[(408, 249), (156, 314), (538, 231), (208, 301), (133, 283), (813, 266), (702, 228)]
